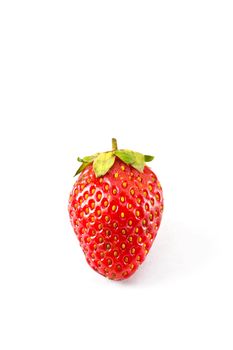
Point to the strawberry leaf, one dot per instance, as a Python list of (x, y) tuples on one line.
[(138, 161), (103, 162), (125, 155), (90, 159), (148, 158), (133, 158), (81, 168), (87, 159)]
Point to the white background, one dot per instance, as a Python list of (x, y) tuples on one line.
[(158, 75)]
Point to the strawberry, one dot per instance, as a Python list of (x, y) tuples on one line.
[(115, 209)]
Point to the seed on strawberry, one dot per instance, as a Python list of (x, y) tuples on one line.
[(115, 209)]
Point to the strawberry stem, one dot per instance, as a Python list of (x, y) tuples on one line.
[(114, 144)]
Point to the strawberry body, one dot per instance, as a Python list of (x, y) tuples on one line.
[(116, 217)]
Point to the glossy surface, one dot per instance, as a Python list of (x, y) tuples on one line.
[(116, 217)]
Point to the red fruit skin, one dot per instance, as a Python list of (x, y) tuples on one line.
[(116, 217)]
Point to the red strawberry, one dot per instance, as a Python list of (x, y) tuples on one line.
[(115, 209)]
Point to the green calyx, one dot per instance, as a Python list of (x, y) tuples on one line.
[(102, 162)]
